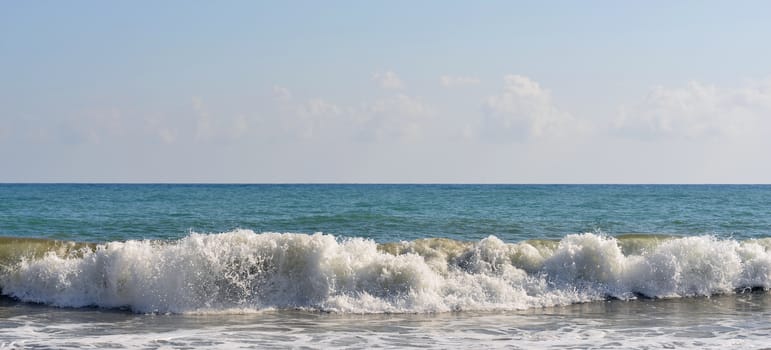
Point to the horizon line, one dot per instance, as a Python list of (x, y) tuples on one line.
[(386, 183)]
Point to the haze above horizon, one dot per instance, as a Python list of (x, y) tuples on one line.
[(385, 92)]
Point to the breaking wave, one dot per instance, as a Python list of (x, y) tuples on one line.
[(243, 271)]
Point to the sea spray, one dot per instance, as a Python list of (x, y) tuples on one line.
[(249, 272)]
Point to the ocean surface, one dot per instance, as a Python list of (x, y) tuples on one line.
[(385, 266)]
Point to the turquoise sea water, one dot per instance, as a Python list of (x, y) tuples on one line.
[(385, 213), (361, 266)]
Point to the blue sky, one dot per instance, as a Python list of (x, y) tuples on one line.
[(396, 91)]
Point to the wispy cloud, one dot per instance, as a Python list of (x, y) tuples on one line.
[(388, 80), (309, 118), (281, 93), (219, 128), (160, 127), (400, 117), (203, 124), (450, 81), (699, 110), (94, 126)]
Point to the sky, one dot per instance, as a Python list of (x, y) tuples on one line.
[(385, 91)]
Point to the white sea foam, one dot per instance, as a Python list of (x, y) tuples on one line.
[(681, 323), (248, 272)]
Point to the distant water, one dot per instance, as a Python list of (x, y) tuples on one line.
[(190, 266), (385, 213)]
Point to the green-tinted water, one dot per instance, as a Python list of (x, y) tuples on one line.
[(385, 213)]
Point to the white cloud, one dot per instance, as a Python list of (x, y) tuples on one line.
[(158, 126), (240, 126), (398, 117), (401, 105), (388, 80), (307, 119), (314, 116), (95, 126), (282, 93), (208, 128), (402, 117), (168, 136), (524, 109), (203, 124), (458, 81), (317, 107), (698, 110)]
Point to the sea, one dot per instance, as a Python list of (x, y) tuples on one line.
[(359, 266)]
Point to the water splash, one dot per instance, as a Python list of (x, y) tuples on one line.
[(243, 271)]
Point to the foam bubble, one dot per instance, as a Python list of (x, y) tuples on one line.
[(245, 271)]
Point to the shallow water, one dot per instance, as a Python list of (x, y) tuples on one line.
[(728, 321)]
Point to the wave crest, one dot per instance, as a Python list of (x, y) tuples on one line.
[(245, 271)]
